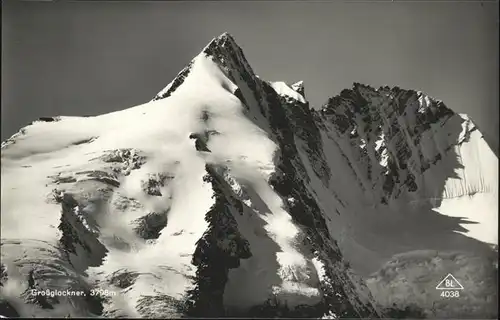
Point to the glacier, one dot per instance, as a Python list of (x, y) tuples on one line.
[(228, 195)]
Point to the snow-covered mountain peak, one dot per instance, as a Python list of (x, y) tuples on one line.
[(390, 126), (227, 195), (292, 92), (223, 41), (227, 56), (299, 87)]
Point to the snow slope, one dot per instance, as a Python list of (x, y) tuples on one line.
[(227, 195)]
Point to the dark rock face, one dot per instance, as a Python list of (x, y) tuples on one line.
[(220, 248), (299, 87), (123, 278), (160, 307), (124, 160), (228, 55), (6, 143), (49, 119), (240, 96), (200, 142), (175, 84), (101, 176), (3, 274), (303, 125), (154, 183), (384, 129), (288, 181), (77, 234), (7, 310), (84, 141), (150, 226)]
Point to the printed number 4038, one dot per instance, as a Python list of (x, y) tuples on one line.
[(450, 294)]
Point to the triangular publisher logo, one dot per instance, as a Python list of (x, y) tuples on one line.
[(449, 283)]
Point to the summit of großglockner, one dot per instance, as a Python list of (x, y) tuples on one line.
[(225, 52)]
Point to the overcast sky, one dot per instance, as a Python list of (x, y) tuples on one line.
[(87, 58)]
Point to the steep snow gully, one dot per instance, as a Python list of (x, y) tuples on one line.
[(227, 195)]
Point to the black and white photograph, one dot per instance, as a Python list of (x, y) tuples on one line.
[(316, 159)]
